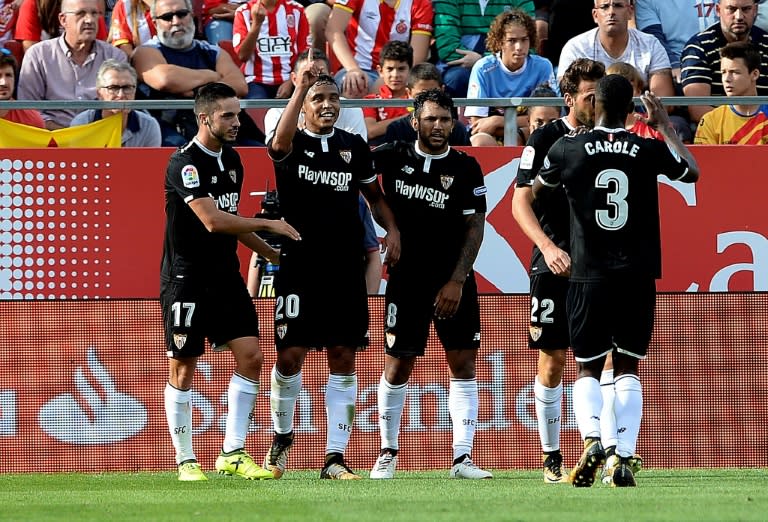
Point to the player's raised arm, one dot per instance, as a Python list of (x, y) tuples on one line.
[(659, 120), (281, 142)]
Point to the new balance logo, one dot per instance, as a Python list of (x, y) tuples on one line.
[(309, 153), (407, 169)]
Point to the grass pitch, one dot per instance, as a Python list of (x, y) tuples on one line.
[(690, 494)]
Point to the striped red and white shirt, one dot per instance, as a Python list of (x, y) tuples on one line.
[(283, 36), (374, 23)]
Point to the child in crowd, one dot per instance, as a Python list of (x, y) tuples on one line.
[(635, 123), (396, 63)]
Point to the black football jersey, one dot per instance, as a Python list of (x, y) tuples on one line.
[(430, 196), (551, 208), (319, 183), (189, 248), (610, 179)]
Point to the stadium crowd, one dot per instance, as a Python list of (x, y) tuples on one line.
[(499, 48)]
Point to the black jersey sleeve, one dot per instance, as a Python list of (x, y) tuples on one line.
[(531, 159), (183, 177), (474, 194), (552, 166), (671, 164)]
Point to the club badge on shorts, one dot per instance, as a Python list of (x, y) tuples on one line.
[(535, 332), (179, 340), (281, 329), (390, 339)]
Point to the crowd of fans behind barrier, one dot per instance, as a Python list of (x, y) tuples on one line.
[(381, 49)]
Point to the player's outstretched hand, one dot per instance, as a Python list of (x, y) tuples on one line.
[(447, 300), (281, 226), (390, 246), (657, 114)]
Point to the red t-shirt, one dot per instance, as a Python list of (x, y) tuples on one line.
[(384, 113), (28, 25), (26, 117)]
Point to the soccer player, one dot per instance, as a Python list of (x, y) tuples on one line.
[(321, 299), (202, 292), (545, 222), (610, 181), (437, 195)]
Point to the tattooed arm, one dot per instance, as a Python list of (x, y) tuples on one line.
[(447, 300)]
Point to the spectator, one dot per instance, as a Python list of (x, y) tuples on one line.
[(8, 67), (218, 19), (268, 36), (65, 68), (116, 81), (635, 120), (614, 41), (423, 77), (131, 25), (461, 27), (557, 21), (701, 55), (540, 115), (173, 65), (673, 22), (396, 63), (737, 124), (358, 29), (9, 11), (350, 118), (510, 71), (41, 20)]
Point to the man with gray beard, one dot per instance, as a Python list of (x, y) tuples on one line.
[(173, 65)]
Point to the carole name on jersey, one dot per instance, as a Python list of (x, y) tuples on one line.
[(340, 180), (434, 197), (619, 147)]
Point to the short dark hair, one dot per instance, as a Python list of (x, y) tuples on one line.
[(208, 96), (615, 93), (7, 58), (495, 39), (317, 54), (397, 51), (324, 79), (744, 50), (424, 72), (438, 96), (581, 70)]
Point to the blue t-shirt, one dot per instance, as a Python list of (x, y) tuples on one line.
[(490, 78)]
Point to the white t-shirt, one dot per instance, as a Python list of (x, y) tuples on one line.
[(350, 119), (644, 52)]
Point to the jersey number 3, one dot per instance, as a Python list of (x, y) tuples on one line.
[(616, 216)]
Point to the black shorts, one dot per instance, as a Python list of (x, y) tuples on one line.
[(614, 314), (220, 310), (549, 319), (409, 310), (319, 308)]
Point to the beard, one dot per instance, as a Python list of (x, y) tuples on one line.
[(178, 41)]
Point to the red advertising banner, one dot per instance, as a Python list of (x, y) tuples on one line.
[(82, 382), (89, 223)]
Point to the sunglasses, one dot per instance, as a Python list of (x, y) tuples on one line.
[(168, 17)]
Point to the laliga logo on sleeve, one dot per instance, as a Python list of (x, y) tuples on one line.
[(91, 415), (189, 176)]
